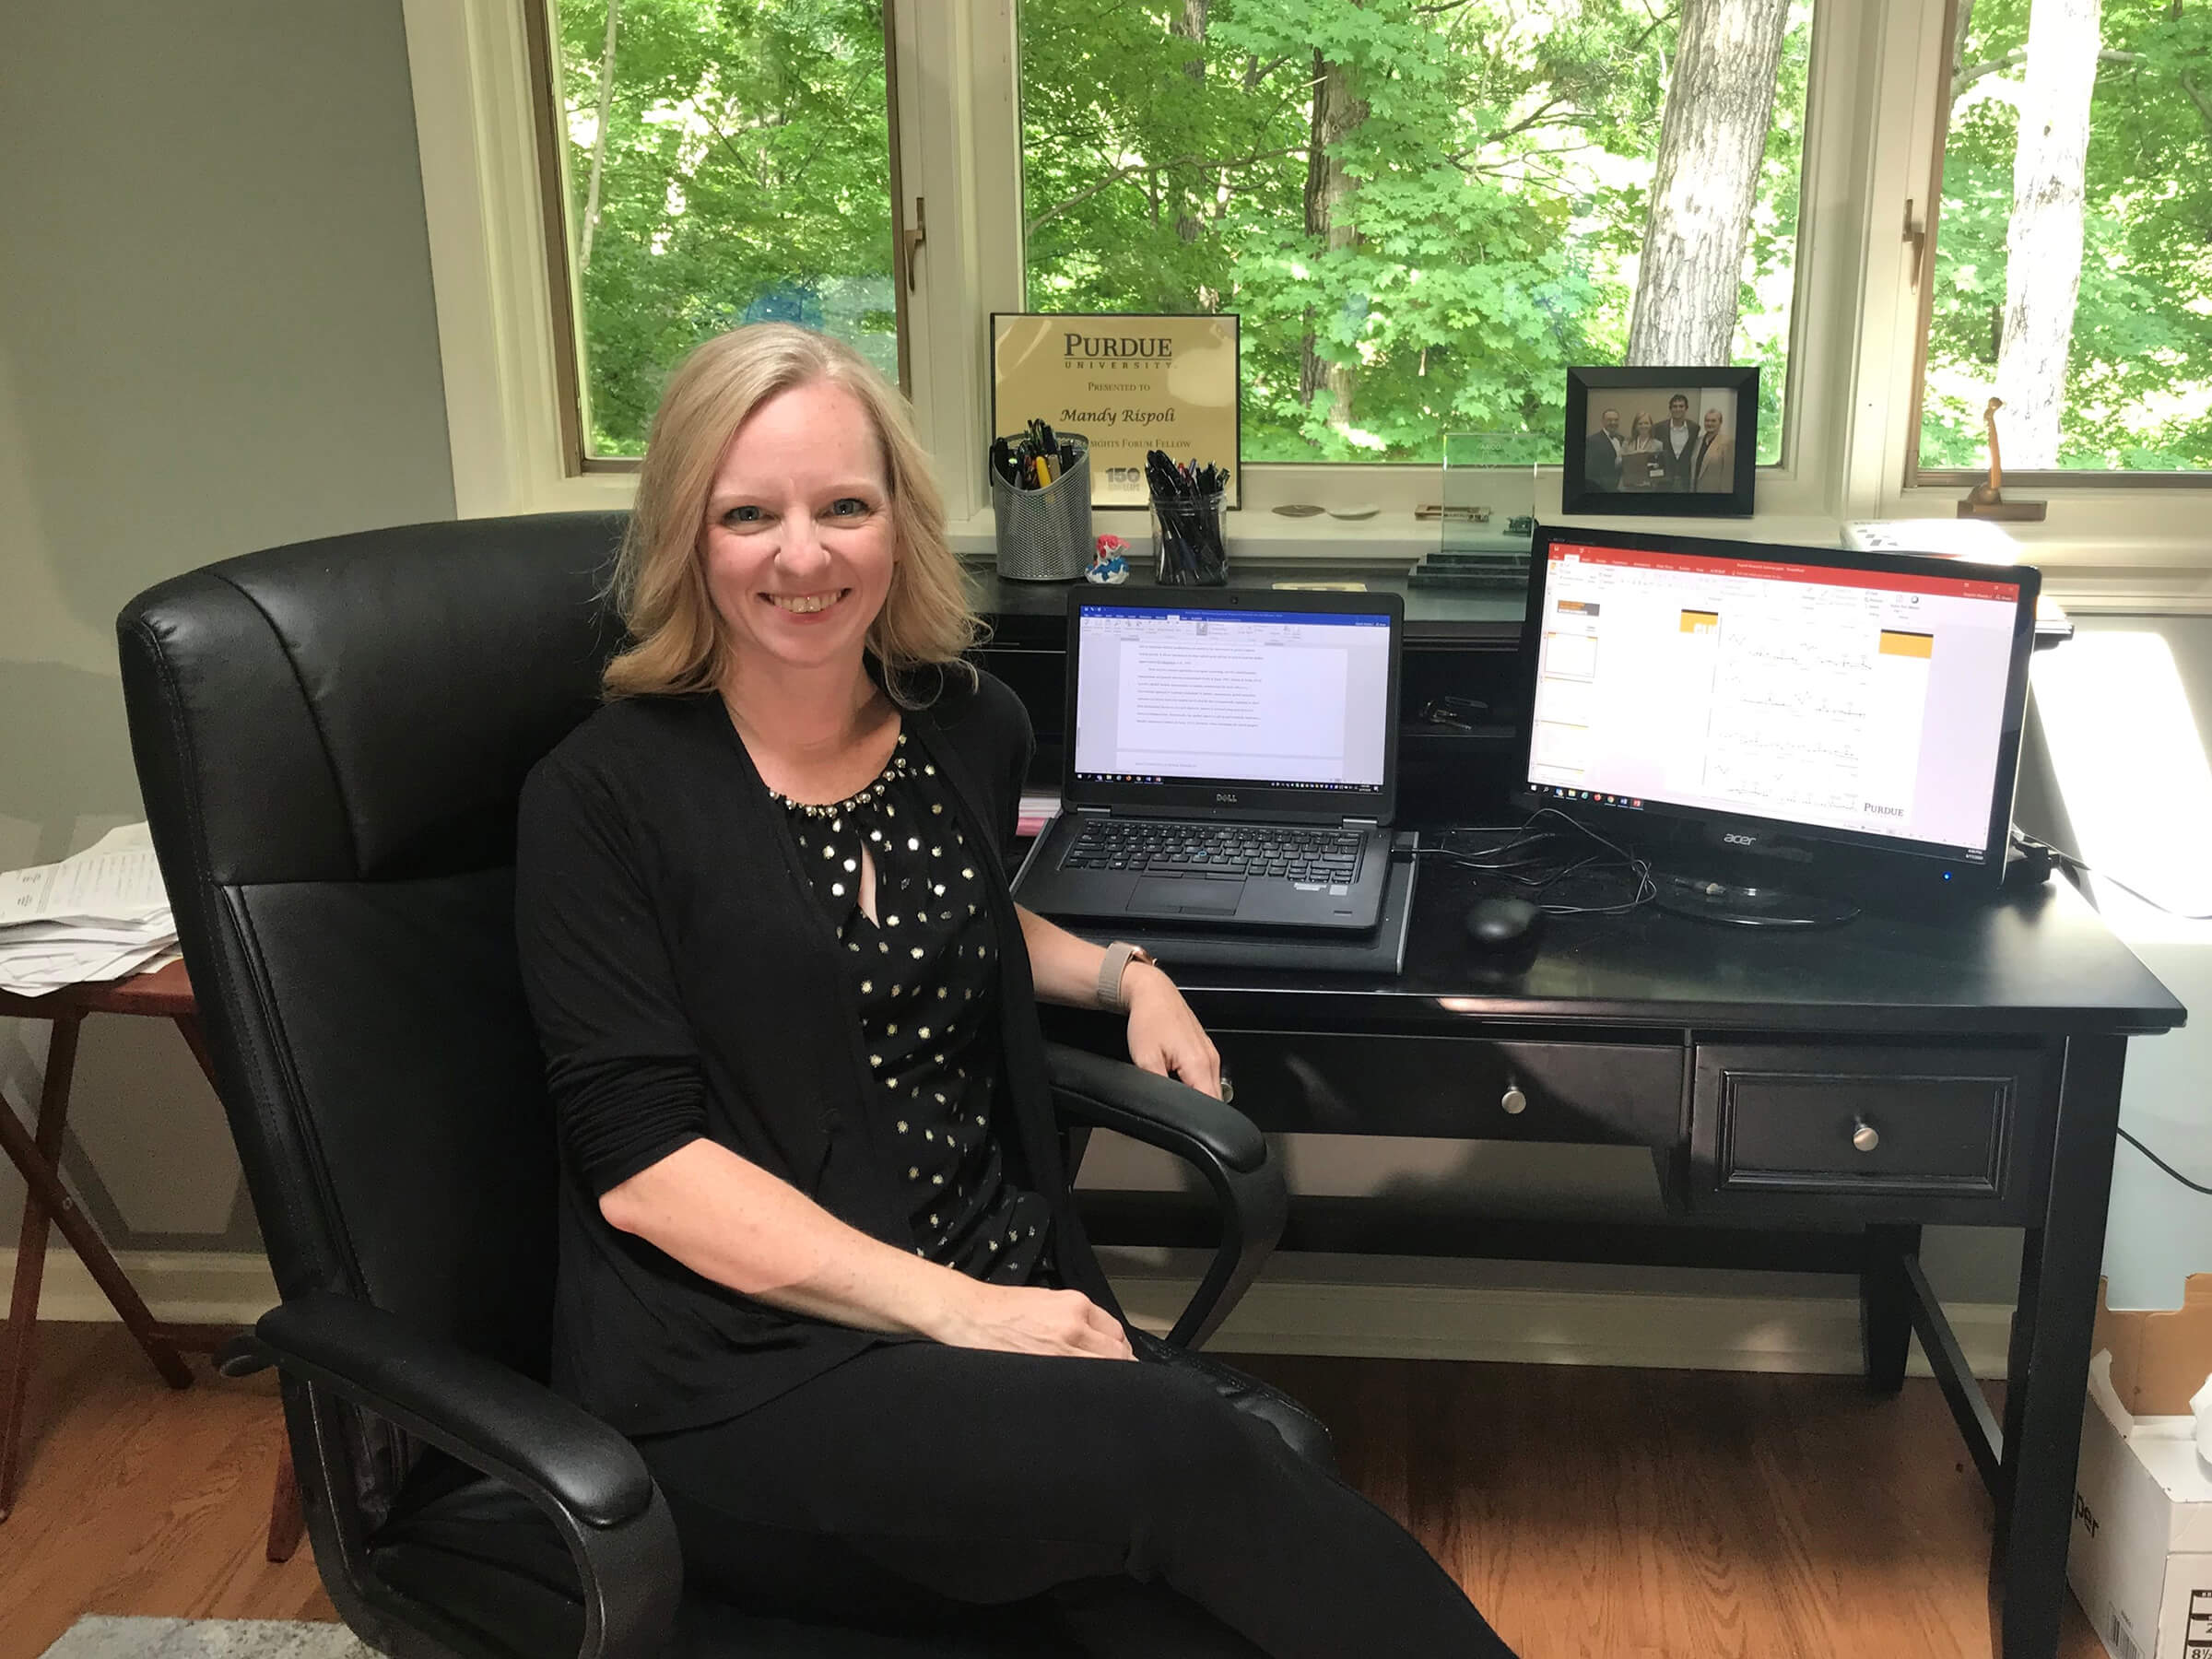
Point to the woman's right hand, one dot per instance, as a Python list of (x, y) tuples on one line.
[(1028, 1319)]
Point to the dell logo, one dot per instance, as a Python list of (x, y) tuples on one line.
[(1734, 840), (1225, 797)]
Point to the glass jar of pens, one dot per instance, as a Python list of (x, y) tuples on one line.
[(1187, 548), (1040, 503)]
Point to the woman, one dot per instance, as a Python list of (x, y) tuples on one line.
[(1639, 456), (815, 1261)]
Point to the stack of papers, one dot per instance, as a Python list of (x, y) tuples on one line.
[(101, 915), (1036, 811)]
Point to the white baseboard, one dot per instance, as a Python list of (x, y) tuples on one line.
[(1282, 1315), (178, 1287)]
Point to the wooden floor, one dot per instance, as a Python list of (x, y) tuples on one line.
[(1614, 1514)]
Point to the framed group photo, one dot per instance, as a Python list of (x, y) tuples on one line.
[(1661, 441)]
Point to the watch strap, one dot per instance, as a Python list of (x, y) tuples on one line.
[(1111, 965)]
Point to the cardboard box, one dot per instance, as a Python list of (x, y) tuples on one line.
[(2141, 1556)]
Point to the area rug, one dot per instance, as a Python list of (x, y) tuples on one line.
[(100, 1636)]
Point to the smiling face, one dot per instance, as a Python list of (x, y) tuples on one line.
[(1678, 408), (1713, 423), (798, 542)]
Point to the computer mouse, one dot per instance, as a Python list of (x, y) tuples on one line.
[(1502, 926)]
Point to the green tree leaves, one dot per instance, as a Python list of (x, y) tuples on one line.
[(745, 177), (1495, 200), (2139, 374)]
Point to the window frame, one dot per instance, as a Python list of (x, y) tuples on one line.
[(1954, 478), (554, 182), (1870, 133), (2101, 547)]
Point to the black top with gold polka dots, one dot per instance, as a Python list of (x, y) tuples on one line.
[(927, 984)]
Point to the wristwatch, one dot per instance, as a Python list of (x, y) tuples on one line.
[(1110, 966)]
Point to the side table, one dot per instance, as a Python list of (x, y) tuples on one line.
[(164, 994)]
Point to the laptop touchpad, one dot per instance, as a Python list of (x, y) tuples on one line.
[(1187, 897)]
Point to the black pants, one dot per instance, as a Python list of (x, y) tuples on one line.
[(919, 1478)]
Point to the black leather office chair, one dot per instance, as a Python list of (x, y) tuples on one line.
[(331, 739)]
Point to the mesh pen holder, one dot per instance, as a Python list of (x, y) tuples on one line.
[(1045, 534)]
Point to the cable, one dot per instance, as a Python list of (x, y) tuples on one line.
[(2076, 870), (1527, 858), (2138, 1146)]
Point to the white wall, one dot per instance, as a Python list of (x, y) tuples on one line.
[(2122, 778), (216, 334)]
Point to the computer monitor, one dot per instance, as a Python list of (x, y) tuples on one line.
[(1807, 720)]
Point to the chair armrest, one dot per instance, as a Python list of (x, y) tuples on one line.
[(587, 1479), (1214, 1137)]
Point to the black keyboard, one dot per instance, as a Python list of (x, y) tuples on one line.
[(1330, 856)]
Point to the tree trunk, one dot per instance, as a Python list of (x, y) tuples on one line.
[(1337, 108), (1959, 25), (1719, 105), (2042, 259), (606, 98), (1190, 25)]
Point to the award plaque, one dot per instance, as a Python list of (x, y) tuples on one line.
[(1126, 385)]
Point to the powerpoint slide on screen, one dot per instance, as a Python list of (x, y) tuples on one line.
[(1280, 697), (1851, 700)]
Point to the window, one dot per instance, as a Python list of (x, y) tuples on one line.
[(715, 164), (1423, 212), (2073, 270), (1551, 150)]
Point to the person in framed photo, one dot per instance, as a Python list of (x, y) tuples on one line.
[(1679, 444), (1716, 456), (1690, 445), (1601, 452), (1640, 468)]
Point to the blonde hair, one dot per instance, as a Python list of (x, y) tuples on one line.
[(676, 639)]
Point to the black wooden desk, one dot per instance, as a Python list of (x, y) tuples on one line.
[(1810, 1100)]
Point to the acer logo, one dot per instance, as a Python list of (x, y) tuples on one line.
[(1225, 797), (1734, 840)]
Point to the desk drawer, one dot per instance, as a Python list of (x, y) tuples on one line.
[(1611, 1093), (1872, 1126)]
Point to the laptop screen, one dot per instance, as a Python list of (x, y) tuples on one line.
[(1289, 700)]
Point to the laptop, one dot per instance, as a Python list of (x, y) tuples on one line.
[(1232, 760)]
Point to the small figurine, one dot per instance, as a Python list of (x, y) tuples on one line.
[(1109, 566), (1987, 500)]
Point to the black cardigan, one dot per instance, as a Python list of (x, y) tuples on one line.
[(681, 975)]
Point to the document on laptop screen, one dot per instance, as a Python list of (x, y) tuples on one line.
[(1298, 698)]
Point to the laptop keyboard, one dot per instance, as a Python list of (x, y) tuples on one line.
[(1330, 856)]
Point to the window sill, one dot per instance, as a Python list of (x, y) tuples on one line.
[(2152, 567), (2137, 574)]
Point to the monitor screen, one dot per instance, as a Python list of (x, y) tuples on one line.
[(1843, 699), (1281, 698)]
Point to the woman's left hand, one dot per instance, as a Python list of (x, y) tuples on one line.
[(1164, 1035)]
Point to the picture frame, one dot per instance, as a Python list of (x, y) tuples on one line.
[(1641, 463), (1127, 383)]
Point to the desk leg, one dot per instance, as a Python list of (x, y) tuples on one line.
[(1884, 1306), (2050, 1357), (30, 1255), (48, 1195)]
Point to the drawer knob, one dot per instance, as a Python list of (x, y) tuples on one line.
[(1513, 1100), (1864, 1136)]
